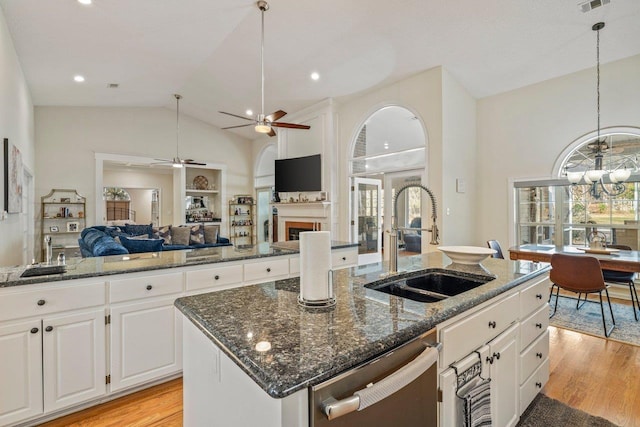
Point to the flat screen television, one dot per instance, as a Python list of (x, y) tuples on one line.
[(299, 174)]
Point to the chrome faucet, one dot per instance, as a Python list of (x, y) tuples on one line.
[(393, 234)]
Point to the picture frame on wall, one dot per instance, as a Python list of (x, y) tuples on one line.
[(13, 171), (73, 227)]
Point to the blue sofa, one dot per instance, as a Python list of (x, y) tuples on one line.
[(103, 240)]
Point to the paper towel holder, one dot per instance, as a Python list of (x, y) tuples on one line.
[(321, 303)]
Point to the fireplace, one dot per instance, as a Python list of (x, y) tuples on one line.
[(294, 228)]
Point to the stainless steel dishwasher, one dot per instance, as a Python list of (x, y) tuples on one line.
[(398, 388)]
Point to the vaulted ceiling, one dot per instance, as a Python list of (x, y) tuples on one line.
[(209, 50)]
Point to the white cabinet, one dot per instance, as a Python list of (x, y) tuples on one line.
[(503, 362), (146, 342), (73, 358), (20, 370)]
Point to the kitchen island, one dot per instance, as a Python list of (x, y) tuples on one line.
[(256, 347)]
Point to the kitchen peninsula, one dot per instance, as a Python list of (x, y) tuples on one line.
[(107, 326), (253, 354)]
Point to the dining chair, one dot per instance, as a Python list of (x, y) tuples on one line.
[(582, 275), (623, 277), (494, 244)]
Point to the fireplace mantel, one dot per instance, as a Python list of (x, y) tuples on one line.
[(310, 212)]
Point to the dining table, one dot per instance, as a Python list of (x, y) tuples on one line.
[(619, 260)]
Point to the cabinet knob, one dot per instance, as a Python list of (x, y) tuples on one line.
[(539, 296), (539, 385), (539, 325), (344, 258), (268, 269), (149, 287), (34, 330), (539, 355), (490, 359), (216, 277), (497, 355), (49, 328), (492, 324), (41, 302)]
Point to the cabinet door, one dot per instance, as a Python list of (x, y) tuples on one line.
[(504, 378), (146, 342), (20, 371), (73, 358)]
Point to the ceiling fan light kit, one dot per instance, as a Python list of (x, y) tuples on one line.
[(264, 124)]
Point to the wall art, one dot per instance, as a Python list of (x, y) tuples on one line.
[(13, 172)]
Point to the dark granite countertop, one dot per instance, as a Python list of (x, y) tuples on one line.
[(80, 268), (308, 346)]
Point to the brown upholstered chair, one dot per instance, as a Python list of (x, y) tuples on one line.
[(494, 244), (582, 275), (623, 277)]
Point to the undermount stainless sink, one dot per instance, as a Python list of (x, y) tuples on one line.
[(432, 286)]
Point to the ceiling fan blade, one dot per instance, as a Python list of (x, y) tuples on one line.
[(272, 132), (275, 116), (191, 162), (235, 115), (289, 125), (239, 126)]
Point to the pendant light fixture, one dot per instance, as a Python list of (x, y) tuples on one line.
[(594, 175)]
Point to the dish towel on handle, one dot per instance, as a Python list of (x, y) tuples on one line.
[(477, 408)]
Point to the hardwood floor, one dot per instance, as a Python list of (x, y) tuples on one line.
[(595, 375), (154, 407)]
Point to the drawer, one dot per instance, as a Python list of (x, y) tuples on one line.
[(143, 286), (477, 329), (50, 298), (533, 356), (534, 296), (294, 266), (276, 268), (214, 277), (533, 326), (530, 389), (341, 258)]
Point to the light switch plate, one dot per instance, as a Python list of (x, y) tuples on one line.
[(461, 185)]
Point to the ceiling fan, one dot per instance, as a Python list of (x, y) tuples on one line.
[(262, 123), (177, 162)]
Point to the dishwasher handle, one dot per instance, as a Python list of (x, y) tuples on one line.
[(374, 393)]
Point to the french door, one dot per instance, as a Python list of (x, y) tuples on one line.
[(367, 219)]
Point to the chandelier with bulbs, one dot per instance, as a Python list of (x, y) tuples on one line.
[(595, 174)]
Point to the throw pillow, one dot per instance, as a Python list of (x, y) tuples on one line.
[(138, 229), (211, 233), (135, 246), (163, 233), (197, 234), (180, 235)]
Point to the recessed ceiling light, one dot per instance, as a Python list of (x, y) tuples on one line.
[(249, 112), (78, 78), (315, 76), (85, 2)]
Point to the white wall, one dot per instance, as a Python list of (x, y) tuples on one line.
[(68, 137), (521, 133), (16, 124), (459, 150)]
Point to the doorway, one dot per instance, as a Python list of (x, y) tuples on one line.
[(409, 206), (263, 215), (367, 219)]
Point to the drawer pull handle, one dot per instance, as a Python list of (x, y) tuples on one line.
[(539, 355), (49, 328), (41, 302), (268, 269), (490, 359), (492, 324), (149, 287), (497, 355), (34, 330), (539, 385), (216, 277), (539, 325), (539, 296)]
